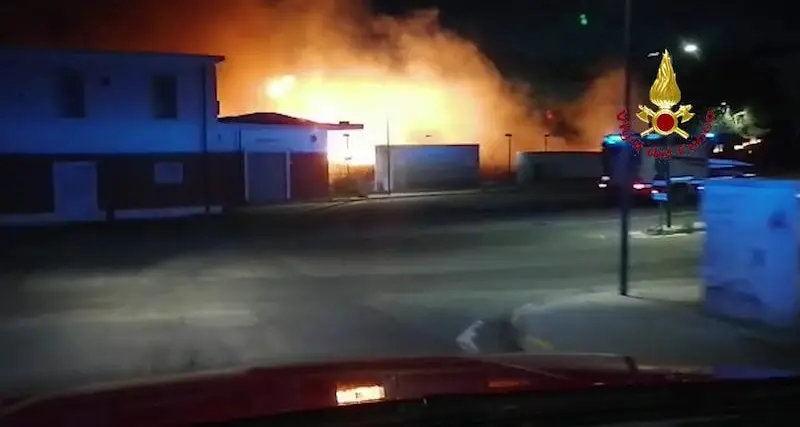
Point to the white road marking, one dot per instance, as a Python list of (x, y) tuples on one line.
[(466, 339)]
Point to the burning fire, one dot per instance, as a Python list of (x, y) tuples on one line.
[(402, 110)]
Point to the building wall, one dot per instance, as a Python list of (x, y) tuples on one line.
[(130, 182), (427, 167), (269, 138), (119, 115), (114, 132), (119, 160), (300, 154)]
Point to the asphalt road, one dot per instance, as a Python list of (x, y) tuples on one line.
[(87, 305)]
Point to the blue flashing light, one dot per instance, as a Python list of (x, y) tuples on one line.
[(659, 197), (615, 139)]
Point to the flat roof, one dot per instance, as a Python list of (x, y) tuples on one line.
[(277, 119), (14, 51)]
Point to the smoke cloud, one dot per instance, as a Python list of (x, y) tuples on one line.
[(595, 114), (343, 62)]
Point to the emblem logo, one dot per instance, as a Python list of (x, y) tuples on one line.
[(665, 94)]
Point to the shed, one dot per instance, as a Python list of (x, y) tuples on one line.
[(284, 157)]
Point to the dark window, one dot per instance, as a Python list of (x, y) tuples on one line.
[(165, 97), (71, 94)]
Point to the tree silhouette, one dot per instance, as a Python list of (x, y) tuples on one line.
[(753, 90), (744, 83), (742, 123)]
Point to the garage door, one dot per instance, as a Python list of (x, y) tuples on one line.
[(266, 178)]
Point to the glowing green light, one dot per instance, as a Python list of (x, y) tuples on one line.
[(583, 19)]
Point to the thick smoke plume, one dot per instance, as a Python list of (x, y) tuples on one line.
[(329, 60), (594, 116)]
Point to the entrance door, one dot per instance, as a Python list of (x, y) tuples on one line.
[(75, 191), (265, 178)]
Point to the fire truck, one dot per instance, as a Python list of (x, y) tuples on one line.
[(685, 171)]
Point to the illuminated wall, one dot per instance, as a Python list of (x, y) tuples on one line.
[(118, 103), (269, 138)]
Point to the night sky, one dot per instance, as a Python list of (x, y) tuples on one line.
[(550, 28), (535, 41), (517, 30)]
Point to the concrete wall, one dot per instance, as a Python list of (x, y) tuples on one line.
[(402, 168)]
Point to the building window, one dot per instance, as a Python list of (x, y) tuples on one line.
[(168, 173), (71, 94), (165, 97)]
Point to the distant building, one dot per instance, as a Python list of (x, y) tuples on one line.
[(89, 136)]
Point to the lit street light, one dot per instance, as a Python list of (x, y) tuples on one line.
[(689, 48)]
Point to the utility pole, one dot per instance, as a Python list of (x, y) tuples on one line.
[(388, 160), (510, 174), (625, 185), (668, 180)]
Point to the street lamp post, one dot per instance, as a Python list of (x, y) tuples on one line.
[(666, 164), (347, 154), (625, 185), (388, 159), (547, 135), (508, 135)]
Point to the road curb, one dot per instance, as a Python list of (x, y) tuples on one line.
[(525, 341), (454, 193), (466, 339), (648, 290), (491, 335), (660, 230), (785, 340)]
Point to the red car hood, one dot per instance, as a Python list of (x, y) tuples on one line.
[(260, 392)]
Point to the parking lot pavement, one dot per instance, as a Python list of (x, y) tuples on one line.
[(660, 323), (163, 298)]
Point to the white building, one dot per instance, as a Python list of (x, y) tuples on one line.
[(88, 136)]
